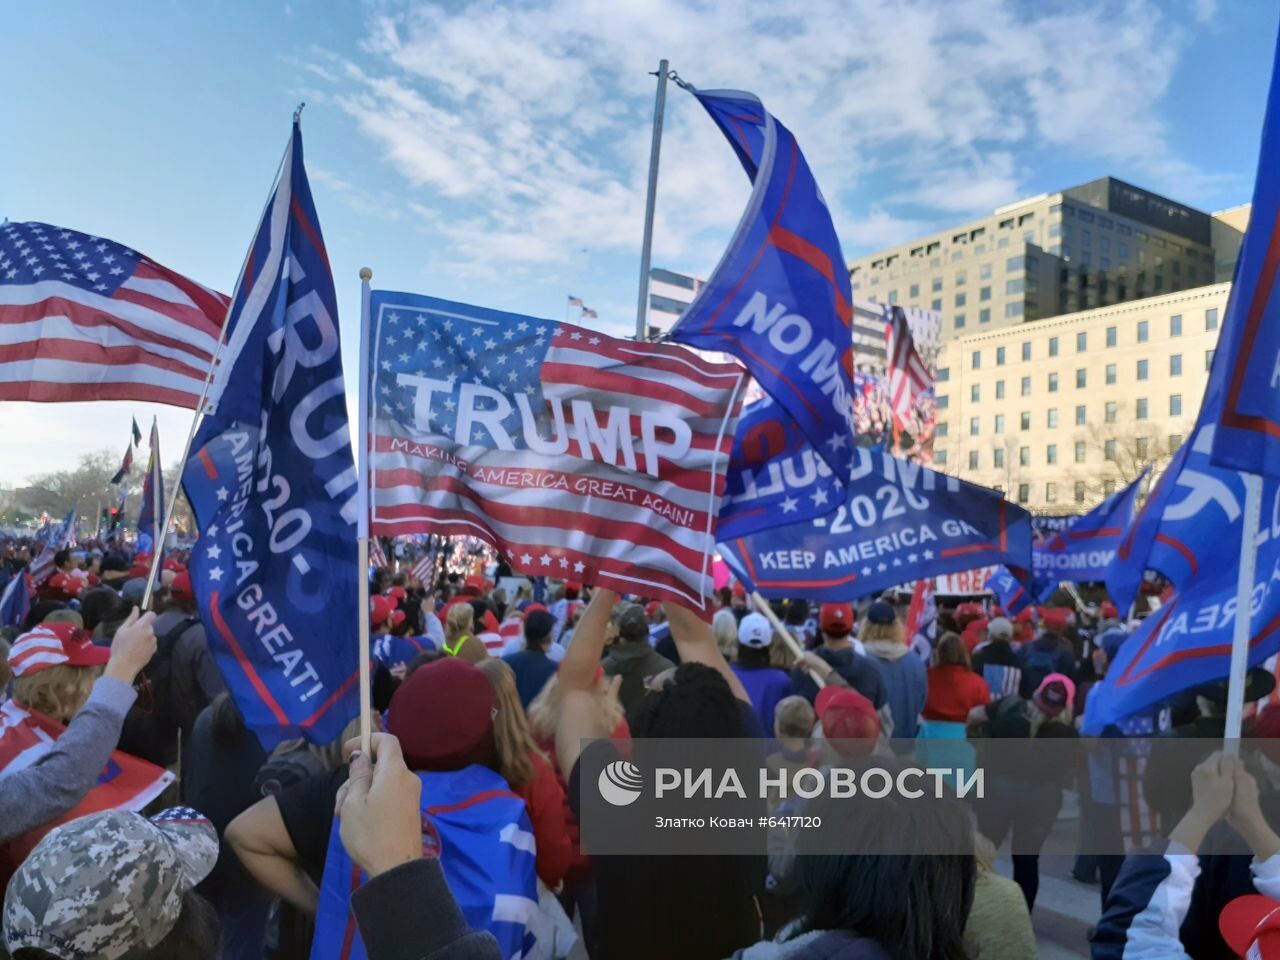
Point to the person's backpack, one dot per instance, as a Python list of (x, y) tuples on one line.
[(1037, 663), (151, 727)]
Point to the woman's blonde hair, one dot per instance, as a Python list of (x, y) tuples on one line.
[(872, 632), (780, 654), (724, 627), (459, 620), (58, 691), (544, 709), (511, 735)]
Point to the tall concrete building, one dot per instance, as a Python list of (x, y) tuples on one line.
[(1100, 243)]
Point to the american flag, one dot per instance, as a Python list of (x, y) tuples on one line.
[(377, 557), (42, 565), (575, 301), (83, 318), (529, 434), (424, 567), (125, 465), (589, 314), (908, 376)]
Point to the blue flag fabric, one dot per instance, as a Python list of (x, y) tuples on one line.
[(152, 496), (480, 831), (1085, 548), (779, 299), (1012, 591), (897, 521), (1245, 377), (272, 484), (15, 601)]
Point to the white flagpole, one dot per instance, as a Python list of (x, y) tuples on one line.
[(160, 533), (1243, 622), (646, 247), (362, 512)]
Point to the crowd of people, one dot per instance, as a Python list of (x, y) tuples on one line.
[(458, 835)]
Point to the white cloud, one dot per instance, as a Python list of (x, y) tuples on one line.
[(530, 123)]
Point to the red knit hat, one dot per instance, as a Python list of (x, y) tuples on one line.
[(442, 714)]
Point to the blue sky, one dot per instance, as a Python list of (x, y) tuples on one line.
[(495, 152)]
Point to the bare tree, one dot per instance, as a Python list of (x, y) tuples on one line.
[(1127, 447), (88, 487)]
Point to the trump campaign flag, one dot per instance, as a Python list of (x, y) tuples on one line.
[(896, 521), (576, 454), (86, 318), (1245, 379), (779, 299), (54, 540), (1084, 549), (272, 483), (150, 516)]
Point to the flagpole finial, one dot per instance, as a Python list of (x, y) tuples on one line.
[(297, 114), (366, 274)]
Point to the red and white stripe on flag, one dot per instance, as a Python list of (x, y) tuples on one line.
[(377, 557), (84, 318), (588, 498), (908, 376), (423, 568)]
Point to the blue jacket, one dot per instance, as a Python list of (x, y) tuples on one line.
[(906, 686)]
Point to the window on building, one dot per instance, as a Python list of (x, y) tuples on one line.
[(893, 296), (1122, 250), (1024, 420), (1140, 408), (1175, 404), (960, 299), (1053, 346), (1081, 451), (1208, 359), (1111, 336), (1110, 374), (1082, 342), (960, 278), (1211, 318), (1081, 415), (936, 285), (1109, 411), (914, 291), (1175, 365), (1140, 447), (976, 360), (1053, 383), (1175, 325), (1142, 369), (984, 272), (999, 356), (1109, 450), (999, 389), (1051, 453), (940, 458), (1085, 238), (941, 430), (944, 374), (973, 426), (1024, 456), (1050, 492), (1025, 387), (1144, 330), (1024, 493), (974, 393), (984, 293), (984, 315), (1082, 378), (973, 459), (936, 305), (1014, 264), (1013, 308), (1108, 487), (1051, 418), (1026, 349), (959, 321), (998, 426), (1079, 491), (1175, 441), (1017, 285), (997, 457)]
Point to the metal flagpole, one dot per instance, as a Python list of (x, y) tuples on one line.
[(159, 533), (1243, 623), (646, 247), (362, 512)]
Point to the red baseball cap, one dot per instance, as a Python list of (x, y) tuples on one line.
[(382, 610), (473, 586), (1108, 610), (1055, 618), (739, 589), (572, 590), (847, 715), (66, 584), (836, 619), (180, 588), (53, 645), (397, 594), (1251, 927)]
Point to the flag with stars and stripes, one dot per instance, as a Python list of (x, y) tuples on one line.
[(85, 318), (577, 454), (908, 375), (42, 565)]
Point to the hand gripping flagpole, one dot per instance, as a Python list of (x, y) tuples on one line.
[(362, 512), (1244, 603), (651, 197)]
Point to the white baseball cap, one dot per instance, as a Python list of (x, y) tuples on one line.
[(755, 631)]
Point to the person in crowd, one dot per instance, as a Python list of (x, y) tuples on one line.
[(632, 658), (724, 627), (1050, 652), (220, 764), (702, 698), (59, 673), (532, 666), (529, 772), (954, 688), (904, 677), (866, 906), (95, 605), (459, 630), (114, 885), (997, 662), (999, 924), (836, 622), (181, 679), (793, 722), (765, 684), (1024, 790), (797, 623)]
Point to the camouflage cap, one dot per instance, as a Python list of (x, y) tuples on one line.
[(109, 885)]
